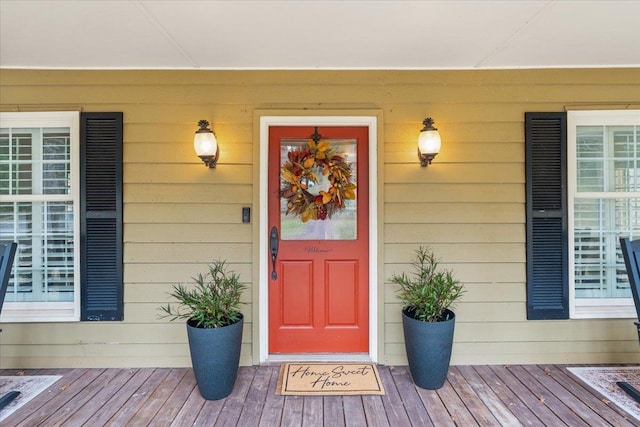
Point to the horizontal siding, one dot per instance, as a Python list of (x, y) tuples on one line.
[(460, 173), (453, 213), (525, 352), (463, 233), (188, 233), (192, 193), (185, 213), (479, 292), (103, 355), (138, 274), (147, 252), (563, 331), (462, 192), (468, 205), (460, 253), (148, 173)]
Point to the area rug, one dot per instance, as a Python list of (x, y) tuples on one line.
[(603, 380), (329, 379), (28, 386)]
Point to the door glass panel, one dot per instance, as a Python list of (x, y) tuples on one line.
[(318, 189)]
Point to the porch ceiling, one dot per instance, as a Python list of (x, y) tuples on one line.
[(454, 34)]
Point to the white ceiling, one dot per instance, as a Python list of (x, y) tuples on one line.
[(319, 34)]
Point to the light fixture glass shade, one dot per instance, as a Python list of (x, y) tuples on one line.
[(205, 143), (429, 142)]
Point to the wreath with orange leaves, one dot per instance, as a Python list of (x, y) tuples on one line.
[(301, 169)]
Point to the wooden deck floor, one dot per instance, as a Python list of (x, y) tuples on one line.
[(527, 395)]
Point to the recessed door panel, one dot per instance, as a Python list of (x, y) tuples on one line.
[(342, 293), (297, 293)]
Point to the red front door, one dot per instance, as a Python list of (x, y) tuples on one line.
[(318, 222)]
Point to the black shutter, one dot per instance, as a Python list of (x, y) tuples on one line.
[(547, 244), (101, 268)]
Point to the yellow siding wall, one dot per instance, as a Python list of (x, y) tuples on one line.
[(468, 205)]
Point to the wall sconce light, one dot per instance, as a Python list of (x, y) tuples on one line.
[(206, 145), (428, 143)]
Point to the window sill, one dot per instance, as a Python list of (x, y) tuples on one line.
[(45, 312), (618, 308)]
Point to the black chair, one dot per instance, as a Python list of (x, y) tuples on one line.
[(631, 254), (7, 254)]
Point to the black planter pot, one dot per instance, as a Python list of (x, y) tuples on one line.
[(428, 346), (215, 356)]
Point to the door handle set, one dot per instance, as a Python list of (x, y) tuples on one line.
[(274, 242)]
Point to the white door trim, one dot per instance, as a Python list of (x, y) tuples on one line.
[(263, 309)]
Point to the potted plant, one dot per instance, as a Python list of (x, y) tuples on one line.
[(214, 327), (427, 319)]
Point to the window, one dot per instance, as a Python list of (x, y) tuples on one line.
[(39, 205), (61, 200), (604, 204)]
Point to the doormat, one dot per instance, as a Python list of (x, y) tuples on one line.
[(318, 379), (28, 386), (603, 380)]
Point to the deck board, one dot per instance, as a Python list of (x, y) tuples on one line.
[(517, 407), (68, 392), (354, 411), (547, 398), (292, 411), (176, 400), (521, 395), (411, 399), (77, 412), (394, 408), (312, 414), (374, 412), (545, 377), (333, 411), (138, 399), (489, 397), (190, 409), (256, 397), (119, 396), (536, 404), (480, 412), (158, 398), (274, 403), (232, 409), (457, 410)]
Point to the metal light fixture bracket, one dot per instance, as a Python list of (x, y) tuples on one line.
[(425, 159), (210, 161)]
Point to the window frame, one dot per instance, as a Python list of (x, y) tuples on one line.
[(592, 308), (50, 311)]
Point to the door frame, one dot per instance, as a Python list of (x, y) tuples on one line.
[(266, 121)]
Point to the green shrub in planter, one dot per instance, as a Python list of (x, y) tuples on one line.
[(211, 309), (429, 291), (428, 295)]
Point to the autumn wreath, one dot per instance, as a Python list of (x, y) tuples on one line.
[(301, 170)]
